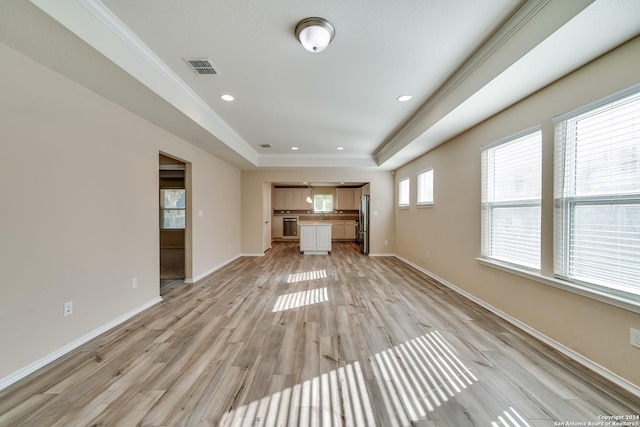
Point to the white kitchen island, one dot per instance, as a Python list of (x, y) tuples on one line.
[(315, 237)]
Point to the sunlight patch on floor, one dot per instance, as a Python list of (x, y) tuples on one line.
[(300, 299), (307, 275), (419, 375), (413, 378), (510, 418), (337, 398)]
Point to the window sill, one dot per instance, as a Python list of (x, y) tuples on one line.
[(403, 206), (627, 301), (424, 205)]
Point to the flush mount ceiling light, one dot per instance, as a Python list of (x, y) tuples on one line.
[(227, 97), (404, 98), (315, 34)]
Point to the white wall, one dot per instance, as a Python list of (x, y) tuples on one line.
[(381, 190), (79, 184), (450, 231)]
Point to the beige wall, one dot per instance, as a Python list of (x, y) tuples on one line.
[(79, 180), (381, 189), (450, 231)]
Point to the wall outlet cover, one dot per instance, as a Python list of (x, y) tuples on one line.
[(68, 308), (635, 338)]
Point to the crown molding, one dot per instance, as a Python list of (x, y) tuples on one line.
[(488, 52)]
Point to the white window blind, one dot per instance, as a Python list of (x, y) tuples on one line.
[(511, 197), (403, 192), (597, 195), (425, 188)]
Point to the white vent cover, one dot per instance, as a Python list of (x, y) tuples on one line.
[(202, 65)]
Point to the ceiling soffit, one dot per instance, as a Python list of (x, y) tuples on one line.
[(525, 30)]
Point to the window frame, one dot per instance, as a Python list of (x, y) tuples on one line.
[(428, 202), (407, 192), (164, 209), (322, 195), (489, 207), (565, 206)]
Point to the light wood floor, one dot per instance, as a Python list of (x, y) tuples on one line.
[(288, 339)]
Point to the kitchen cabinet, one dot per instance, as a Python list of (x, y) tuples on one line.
[(348, 198), (343, 230), (350, 229), (276, 227), (315, 237), (291, 199), (344, 198), (357, 193), (337, 230), (278, 198)]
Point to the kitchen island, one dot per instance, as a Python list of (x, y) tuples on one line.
[(315, 237)]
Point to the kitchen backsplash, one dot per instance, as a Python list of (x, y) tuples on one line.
[(310, 212)]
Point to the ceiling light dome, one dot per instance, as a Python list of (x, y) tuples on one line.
[(315, 34)]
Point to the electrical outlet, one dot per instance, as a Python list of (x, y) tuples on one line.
[(68, 308), (134, 282), (635, 338)]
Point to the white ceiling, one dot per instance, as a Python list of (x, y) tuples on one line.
[(462, 60)]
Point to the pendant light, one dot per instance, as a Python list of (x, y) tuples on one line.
[(315, 34), (309, 196)]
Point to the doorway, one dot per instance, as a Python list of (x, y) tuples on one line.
[(175, 235), (266, 216)]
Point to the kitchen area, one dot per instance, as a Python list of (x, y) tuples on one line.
[(337, 206)]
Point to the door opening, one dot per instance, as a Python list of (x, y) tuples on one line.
[(175, 235)]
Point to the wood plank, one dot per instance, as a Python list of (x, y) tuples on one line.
[(390, 347)]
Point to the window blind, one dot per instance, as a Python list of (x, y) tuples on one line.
[(403, 192), (511, 197), (597, 195), (425, 187)]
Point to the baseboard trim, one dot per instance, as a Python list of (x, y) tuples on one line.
[(31, 368), (573, 355), (192, 280)]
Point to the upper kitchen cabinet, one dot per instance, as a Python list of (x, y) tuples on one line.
[(291, 199), (348, 198)]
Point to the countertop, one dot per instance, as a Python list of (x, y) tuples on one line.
[(328, 217), (315, 223)]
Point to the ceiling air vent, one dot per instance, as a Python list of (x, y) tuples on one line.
[(202, 65), (265, 145)]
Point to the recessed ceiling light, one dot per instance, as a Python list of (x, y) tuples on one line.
[(404, 98), (340, 148), (294, 148), (227, 97)]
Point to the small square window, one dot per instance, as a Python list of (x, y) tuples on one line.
[(172, 209), (403, 193), (425, 188)]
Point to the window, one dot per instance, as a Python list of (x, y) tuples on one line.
[(403, 193), (511, 200), (425, 188), (323, 203), (172, 209), (597, 195)]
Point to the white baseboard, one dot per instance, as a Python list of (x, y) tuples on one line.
[(18, 375), (575, 356), (191, 280)]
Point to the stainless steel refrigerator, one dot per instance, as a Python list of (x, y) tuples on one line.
[(363, 222)]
